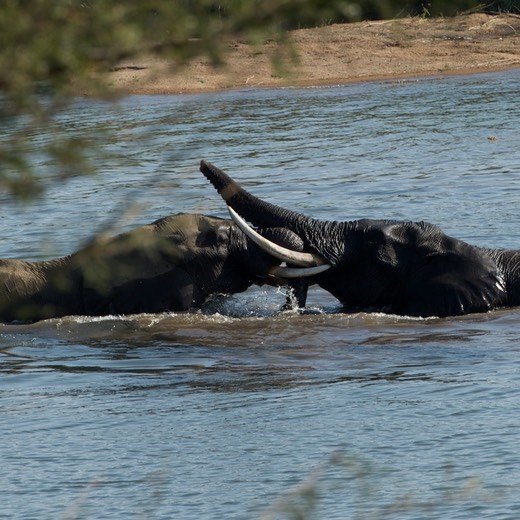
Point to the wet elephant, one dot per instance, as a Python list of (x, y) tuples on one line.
[(407, 268), (173, 264)]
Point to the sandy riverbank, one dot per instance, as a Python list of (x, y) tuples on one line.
[(343, 53)]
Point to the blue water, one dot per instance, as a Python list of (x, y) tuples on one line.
[(235, 411)]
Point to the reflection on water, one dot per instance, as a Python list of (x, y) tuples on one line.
[(218, 412)]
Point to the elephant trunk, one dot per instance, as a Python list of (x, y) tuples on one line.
[(260, 213), (266, 215)]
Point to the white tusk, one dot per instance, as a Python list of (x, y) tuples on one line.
[(280, 252), (297, 272)]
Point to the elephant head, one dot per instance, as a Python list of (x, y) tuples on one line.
[(399, 267), (172, 264)]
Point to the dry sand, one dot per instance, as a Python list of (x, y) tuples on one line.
[(342, 53)]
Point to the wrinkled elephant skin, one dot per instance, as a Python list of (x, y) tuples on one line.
[(406, 268), (172, 264)]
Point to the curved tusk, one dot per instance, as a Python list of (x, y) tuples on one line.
[(297, 272), (280, 252)]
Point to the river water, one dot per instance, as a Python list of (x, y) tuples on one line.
[(235, 411)]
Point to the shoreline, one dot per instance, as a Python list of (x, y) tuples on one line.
[(342, 54), (386, 78)]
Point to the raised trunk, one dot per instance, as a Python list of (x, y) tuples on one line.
[(264, 215), (260, 213)]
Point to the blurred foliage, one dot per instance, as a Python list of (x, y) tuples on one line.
[(51, 50), (361, 481)]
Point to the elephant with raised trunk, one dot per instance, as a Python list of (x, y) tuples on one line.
[(405, 268), (173, 264)]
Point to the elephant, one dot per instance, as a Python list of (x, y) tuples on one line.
[(172, 264), (390, 266)]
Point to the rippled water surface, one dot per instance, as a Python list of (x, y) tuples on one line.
[(239, 412)]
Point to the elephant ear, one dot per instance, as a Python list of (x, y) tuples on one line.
[(453, 284)]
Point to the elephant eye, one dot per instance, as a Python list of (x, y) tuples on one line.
[(213, 237), (222, 235)]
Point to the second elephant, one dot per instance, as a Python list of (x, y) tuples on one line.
[(172, 264)]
